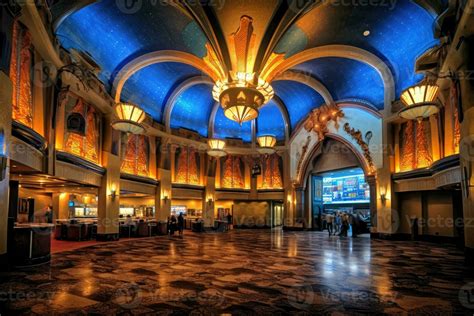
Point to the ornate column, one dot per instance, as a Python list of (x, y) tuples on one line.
[(300, 215), (6, 29), (164, 190), (109, 191), (5, 134)]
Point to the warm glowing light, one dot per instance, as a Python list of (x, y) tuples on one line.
[(267, 144), (216, 148), (130, 118), (420, 101), (242, 96)]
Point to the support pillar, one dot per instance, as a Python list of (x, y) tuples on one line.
[(5, 134), (209, 202), (163, 196), (109, 191)]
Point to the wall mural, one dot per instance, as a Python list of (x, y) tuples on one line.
[(135, 153), (21, 75), (232, 173), (187, 170), (271, 174), (85, 145)]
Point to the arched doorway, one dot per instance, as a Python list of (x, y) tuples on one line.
[(336, 179)]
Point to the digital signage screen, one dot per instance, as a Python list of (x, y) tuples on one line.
[(345, 187)]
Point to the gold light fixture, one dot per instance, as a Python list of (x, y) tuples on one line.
[(216, 148), (242, 96), (130, 118), (420, 101), (267, 144)]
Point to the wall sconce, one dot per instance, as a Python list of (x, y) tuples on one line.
[(210, 200), (113, 194), (383, 198), (165, 197)]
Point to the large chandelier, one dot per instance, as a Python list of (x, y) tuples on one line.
[(267, 144), (242, 96), (216, 148), (420, 101), (130, 118)]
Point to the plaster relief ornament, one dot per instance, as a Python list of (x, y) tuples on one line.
[(319, 119)]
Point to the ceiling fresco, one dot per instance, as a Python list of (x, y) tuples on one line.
[(396, 32)]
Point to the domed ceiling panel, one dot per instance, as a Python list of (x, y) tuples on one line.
[(113, 37), (150, 87), (298, 98), (347, 79), (225, 128), (271, 122), (398, 34), (193, 109)]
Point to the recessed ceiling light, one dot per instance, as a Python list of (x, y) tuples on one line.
[(14, 166), (366, 33)]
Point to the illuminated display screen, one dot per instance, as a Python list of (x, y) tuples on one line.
[(345, 187)]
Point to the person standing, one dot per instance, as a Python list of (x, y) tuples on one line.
[(337, 224), (49, 215), (180, 224), (329, 223)]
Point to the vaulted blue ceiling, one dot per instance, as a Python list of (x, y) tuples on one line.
[(151, 87), (400, 31), (113, 36), (299, 99), (347, 79), (193, 109), (271, 121)]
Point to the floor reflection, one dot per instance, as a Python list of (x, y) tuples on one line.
[(261, 272)]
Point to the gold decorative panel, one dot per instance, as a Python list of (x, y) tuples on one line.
[(415, 149), (233, 173), (135, 153), (86, 146), (187, 171), (21, 74), (271, 174)]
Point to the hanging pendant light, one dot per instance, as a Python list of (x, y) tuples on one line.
[(216, 148), (242, 96), (420, 101), (130, 118), (267, 144)]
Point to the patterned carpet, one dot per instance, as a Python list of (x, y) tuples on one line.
[(245, 272)]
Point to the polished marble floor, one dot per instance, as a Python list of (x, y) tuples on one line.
[(245, 272)]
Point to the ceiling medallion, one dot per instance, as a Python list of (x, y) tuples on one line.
[(267, 144), (216, 148), (130, 118), (420, 101)]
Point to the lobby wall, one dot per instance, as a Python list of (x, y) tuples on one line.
[(435, 207), (252, 214)]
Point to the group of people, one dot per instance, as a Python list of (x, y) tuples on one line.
[(339, 224), (176, 224)]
